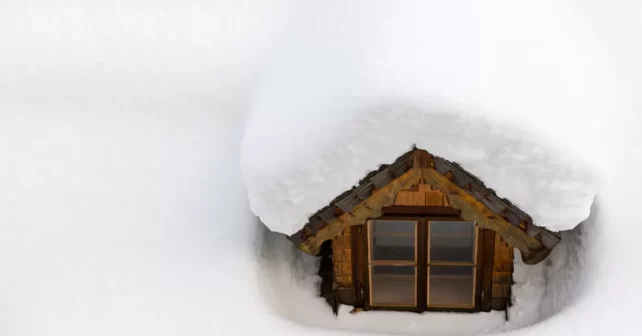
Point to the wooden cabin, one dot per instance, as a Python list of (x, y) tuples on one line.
[(421, 234)]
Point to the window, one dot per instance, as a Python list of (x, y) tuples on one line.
[(451, 264), (392, 262), (417, 263)]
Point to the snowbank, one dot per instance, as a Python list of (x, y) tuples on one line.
[(473, 85), (122, 206), (539, 292)]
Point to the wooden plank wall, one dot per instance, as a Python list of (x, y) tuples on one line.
[(342, 259), (421, 195), (502, 274)]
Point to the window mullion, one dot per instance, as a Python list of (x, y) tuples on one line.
[(428, 242)]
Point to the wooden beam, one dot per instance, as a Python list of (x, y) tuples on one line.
[(421, 159), (370, 208), (421, 210), (531, 249)]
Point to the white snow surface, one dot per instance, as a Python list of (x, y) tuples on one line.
[(471, 84), (287, 270), (123, 210), (555, 191)]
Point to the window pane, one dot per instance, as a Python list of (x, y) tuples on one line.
[(393, 248), (452, 241), (393, 285), (451, 285), (393, 227)]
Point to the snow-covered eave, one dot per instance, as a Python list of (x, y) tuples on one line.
[(466, 192)]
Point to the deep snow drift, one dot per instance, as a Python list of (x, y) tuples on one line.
[(122, 207), (540, 292), (333, 104), (555, 191)]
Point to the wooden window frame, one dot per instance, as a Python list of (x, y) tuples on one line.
[(374, 263), (473, 265), (362, 282)]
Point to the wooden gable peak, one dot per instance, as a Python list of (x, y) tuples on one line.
[(465, 192)]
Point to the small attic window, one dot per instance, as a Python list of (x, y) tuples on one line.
[(448, 262)]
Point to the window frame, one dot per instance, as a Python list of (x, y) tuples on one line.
[(371, 262), (473, 265), (421, 289)]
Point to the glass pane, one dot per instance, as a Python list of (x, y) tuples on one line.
[(452, 241), (393, 285), (451, 285), (391, 227), (393, 248)]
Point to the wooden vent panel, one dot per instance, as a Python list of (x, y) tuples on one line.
[(422, 195)]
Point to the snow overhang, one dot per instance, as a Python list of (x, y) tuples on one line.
[(332, 105)]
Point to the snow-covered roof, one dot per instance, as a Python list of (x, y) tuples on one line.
[(290, 181), (331, 105), (467, 193)]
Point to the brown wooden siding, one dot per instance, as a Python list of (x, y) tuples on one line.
[(421, 195), (342, 259), (502, 274), (359, 261)]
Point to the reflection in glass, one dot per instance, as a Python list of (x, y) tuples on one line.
[(393, 285), (393, 248), (393, 227), (452, 241), (451, 285)]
